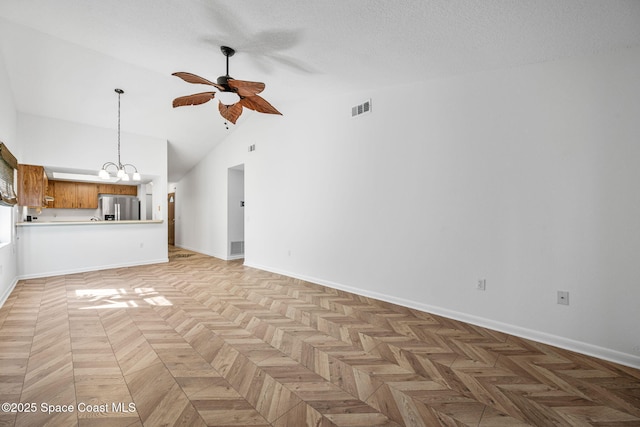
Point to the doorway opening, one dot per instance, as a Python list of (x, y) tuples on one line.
[(235, 212), (171, 207)]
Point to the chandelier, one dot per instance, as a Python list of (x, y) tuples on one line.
[(120, 168)]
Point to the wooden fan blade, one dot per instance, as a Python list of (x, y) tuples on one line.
[(244, 88), (259, 104), (230, 112), (195, 99), (192, 78)]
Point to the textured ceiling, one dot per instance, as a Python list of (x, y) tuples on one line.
[(65, 57)]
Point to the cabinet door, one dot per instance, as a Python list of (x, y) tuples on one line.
[(120, 190), (31, 185), (86, 195), (128, 190), (65, 195), (106, 189)]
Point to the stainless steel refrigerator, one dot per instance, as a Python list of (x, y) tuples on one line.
[(120, 208)]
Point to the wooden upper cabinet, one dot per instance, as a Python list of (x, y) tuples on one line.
[(127, 190), (64, 195), (86, 195), (75, 195), (106, 189), (121, 190), (32, 186)]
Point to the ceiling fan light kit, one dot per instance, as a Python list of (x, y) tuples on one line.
[(234, 95)]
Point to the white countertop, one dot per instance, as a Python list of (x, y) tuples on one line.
[(88, 222)]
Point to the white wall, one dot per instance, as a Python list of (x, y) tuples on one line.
[(62, 144), (526, 177), (201, 202), (8, 126)]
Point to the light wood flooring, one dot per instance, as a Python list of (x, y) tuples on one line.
[(199, 341)]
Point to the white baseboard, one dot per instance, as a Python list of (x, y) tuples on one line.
[(200, 251), (218, 256), (542, 337)]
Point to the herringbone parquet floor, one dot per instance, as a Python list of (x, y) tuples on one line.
[(199, 341)]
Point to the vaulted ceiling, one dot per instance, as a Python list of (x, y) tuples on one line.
[(65, 57)]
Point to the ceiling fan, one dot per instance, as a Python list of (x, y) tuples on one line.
[(245, 90)]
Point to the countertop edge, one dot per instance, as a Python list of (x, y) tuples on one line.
[(57, 223)]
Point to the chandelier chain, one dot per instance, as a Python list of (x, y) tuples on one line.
[(119, 162), (121, 172)]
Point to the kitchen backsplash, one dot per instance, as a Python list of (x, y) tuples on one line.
[(62, 214)]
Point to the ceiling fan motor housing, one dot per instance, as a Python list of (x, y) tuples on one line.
[(224, 81)]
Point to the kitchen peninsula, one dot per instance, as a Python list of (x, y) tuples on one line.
[(65, 227), (66, 247)]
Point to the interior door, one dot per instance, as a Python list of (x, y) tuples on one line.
[(171, 203)]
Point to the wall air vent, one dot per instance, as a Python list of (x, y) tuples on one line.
[(360, 109), (237, 248)]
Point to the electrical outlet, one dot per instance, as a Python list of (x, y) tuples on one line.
[(563, 297), (481, 285)]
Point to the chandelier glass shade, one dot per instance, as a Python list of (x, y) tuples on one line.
[(121, 170)]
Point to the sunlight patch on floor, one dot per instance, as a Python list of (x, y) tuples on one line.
[(121, 298)]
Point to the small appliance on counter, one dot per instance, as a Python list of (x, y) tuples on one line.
[(119, 208)]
